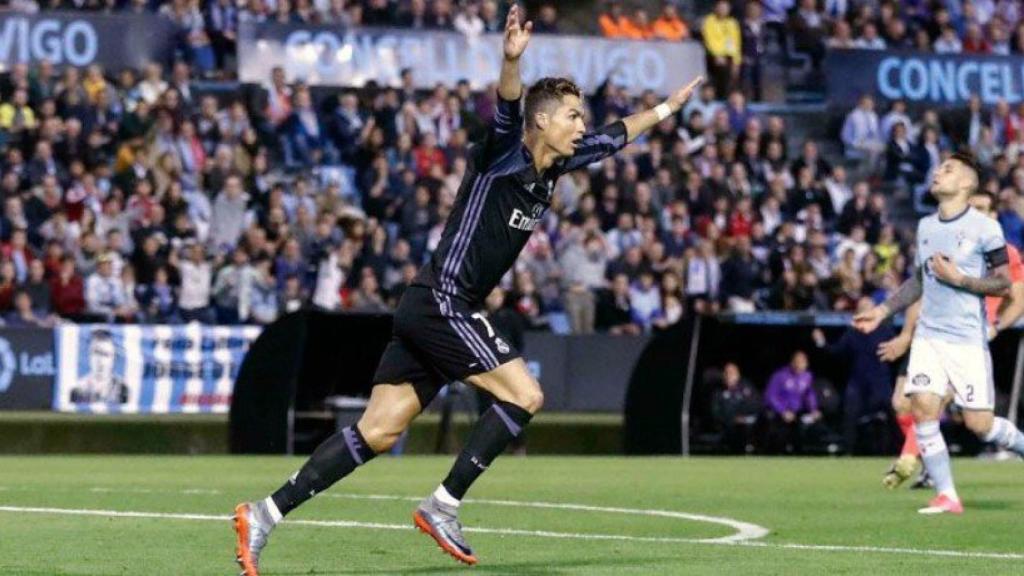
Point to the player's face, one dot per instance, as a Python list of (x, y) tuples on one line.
[(565, 126), (951, 178), (982, 203), (101, 360)]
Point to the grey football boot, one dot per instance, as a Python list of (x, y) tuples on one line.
[(441, 522), (253, 524)]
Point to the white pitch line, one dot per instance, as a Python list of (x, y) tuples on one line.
[(744, 530), (535, 533)]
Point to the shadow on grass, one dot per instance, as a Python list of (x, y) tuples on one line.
[(986, 504), (544, 568)]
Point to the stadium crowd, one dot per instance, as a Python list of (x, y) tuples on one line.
[(130, 195)]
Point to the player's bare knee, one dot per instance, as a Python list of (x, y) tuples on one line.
[(979, 422), (378, 436), (531, 400)]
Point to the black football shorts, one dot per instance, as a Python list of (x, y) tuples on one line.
[(436, 339)]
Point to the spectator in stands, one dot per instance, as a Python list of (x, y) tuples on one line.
[(468, 20), (645, 300), (753, 41), (901, 157), (194, 292), (862, 134), (229, 215), (305, 135), (614, 312), (948, 42), (257, 295), (792, 417), (808, 27), (703, 278), (26, 315), (105, 293), (547, 21), (584, 261), (227, 288), (723, 42), (734, 408), (669, 25), (842, 37), (157, 300), (613, 23), (869, 38), (68, 290), (16, 115), (741, 274)]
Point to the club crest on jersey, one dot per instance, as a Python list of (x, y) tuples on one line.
[(521, 221), (501, 345), (963, 243)]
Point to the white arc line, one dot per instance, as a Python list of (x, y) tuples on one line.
[(536, 533), (744, 530)]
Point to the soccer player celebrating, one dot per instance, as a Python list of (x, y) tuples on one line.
[(1001, 313), (439, 334), (961, 257)]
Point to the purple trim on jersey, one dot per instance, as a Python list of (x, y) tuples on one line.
[(489, 360), (353, 444), (470, 338), (470, 218), (449, 259), (459, 318), (514, 428)]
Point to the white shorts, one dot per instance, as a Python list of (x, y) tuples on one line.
[(939, 367)]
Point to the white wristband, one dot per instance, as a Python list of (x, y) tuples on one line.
[(663, 111)]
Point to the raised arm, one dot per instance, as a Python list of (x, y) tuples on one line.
[(637, 124), (510, 84)]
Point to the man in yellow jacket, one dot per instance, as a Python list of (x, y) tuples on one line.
[(723, 43), (16, 115)]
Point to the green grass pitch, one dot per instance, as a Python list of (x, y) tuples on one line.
[(825, 516)]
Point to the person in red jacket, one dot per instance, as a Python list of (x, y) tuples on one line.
[(67, 290)]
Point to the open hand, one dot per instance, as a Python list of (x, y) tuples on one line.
[(516, 36), (868, 321), (677, 100)]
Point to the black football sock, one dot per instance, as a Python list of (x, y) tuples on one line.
[(336, 458), (494, 430)]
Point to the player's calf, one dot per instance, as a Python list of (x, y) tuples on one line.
[(997, 430)]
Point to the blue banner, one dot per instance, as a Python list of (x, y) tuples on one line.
[(923, 78), (148, 369), (331, 55)]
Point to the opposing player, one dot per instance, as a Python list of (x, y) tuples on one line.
[(438, 335), (1001, 313), (961, 257), (890, 351)]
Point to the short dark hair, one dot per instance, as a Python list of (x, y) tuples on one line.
[(967, 158), (545, 91)]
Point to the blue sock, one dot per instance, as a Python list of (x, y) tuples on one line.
[(935, 456), (1005, 435)]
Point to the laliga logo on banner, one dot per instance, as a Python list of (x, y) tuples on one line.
[(8, 365), (24, 364)]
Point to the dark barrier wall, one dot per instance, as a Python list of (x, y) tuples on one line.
[(26, 368), (265, 388), (305, 357), (582, 373)]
